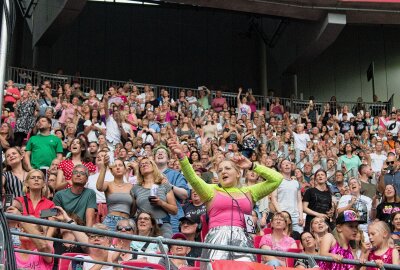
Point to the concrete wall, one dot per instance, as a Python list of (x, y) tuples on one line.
[(341, 69)]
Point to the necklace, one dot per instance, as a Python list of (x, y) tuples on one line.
[(119, 185)]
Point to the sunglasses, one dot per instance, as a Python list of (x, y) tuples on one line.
[(126, 228), (389, 162)]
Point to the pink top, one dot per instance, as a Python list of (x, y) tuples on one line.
[(218, 104), (221, 211), (35, 262), (282, 245), (386, 257)]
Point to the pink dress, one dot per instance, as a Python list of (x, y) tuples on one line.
[(386, 257), (337, 249)]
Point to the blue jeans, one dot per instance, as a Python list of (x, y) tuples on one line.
[(111, 221)]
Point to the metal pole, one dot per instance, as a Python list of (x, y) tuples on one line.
[(3, 51)]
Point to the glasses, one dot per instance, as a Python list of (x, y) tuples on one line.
[(144, 218), (143, 164), (187, 222), (78, 173), (389, 162), (126, 228), (94, 236)]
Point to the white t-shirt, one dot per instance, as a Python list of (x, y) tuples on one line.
[(113, 134), (92, 134), (244, 110), (393, 127), (363, 206), (377, 161), (300, 140), (287, 197), (88, 265)]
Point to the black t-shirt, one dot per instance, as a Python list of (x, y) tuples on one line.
[(233, 138), (318, 201), (345, 126), (384, 211), (194, 212), (359, 126), (60, 249)]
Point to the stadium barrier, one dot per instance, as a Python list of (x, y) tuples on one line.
[(293, 105), (160, 242)]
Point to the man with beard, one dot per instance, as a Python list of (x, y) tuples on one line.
[(77, 199), (177, 181), (43, 147)]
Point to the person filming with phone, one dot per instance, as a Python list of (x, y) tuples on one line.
[(390, 174)]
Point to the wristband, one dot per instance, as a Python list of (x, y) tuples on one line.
[(71, 221)]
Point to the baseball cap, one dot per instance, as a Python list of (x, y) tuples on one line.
[(179, 236), (349, 216), (190, 219)]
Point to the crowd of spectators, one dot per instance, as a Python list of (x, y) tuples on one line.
[(321, 181)]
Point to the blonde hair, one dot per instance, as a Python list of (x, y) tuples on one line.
[(382, 227), (157, 175), (25, 189)]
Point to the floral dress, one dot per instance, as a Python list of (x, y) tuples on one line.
[(26, 116)]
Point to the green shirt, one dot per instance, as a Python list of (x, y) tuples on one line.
[(76, 203), (43, 149)]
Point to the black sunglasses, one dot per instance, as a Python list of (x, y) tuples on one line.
[(127, 228), (389, 162)]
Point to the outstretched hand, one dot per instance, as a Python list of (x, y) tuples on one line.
[(175, 147), (242, 162)]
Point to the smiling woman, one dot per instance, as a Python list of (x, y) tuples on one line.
[(229, 206), (78, 156)]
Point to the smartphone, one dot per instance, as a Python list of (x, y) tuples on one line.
[(44, 170), (8, 200), (48, 213), (396, 242)]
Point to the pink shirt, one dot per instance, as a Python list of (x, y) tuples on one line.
[(218, 103), (35, 262), (221, 211), (283, 245)]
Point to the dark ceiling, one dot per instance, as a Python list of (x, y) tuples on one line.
[(357, 12)]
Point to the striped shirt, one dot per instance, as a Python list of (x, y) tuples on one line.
[(13, 185)]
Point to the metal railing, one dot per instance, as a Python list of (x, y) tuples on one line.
[(162, 241), (292, 105)]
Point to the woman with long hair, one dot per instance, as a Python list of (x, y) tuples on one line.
[(186, 130), (317, 201), (276, 109), (78, 156), (337, 245), (390, 204), (147, 225), (249, 140), (227, 202), (210, 129), (15, 174), (117, 192), (278, 240), (35, 198), (94, 126), (319, 227), (154, 194), (6, 136)]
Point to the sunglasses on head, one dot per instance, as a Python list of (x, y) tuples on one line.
[(126, 228)]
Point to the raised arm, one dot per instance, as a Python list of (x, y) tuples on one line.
[(239, 103), (272, 181), (204, 190)]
